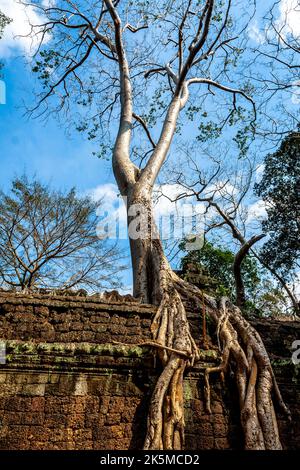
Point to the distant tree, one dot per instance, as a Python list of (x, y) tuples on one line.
[(48, 240), (271, 302), (212, 268), (280, 189)]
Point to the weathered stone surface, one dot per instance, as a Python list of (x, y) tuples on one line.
[(69, 384)]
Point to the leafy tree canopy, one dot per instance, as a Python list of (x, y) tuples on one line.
[(280, 189), (212, 267)]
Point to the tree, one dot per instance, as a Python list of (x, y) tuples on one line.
[(211, 269), (48, 240), (224, 192), (215, 267), (274, 67), (280, 189), (102, 57)]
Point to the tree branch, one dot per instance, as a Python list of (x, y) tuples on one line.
[(125, 171), (239, 258), (144, 125), (234, 91)]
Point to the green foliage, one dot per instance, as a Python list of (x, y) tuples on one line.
[(272, 301), (47, 62), (4, 21), (215, 264), (104, 152), (243, 138), (83, 82), (211, 130), (211, 269), (280, 189)]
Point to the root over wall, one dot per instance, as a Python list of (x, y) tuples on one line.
[(74, 377)]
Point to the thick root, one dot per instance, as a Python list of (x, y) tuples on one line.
[(241, 348), (166, 414)]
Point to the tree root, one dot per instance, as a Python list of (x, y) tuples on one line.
[(239, 344), (241, 348), (166, 416)]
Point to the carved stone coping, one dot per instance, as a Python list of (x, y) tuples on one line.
[(86, 356), (69, 302)]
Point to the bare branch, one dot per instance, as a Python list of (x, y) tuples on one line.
[(144, 125)]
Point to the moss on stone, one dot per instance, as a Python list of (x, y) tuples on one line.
[(282, 362), (208, 354), (72, 349), (187, 390)]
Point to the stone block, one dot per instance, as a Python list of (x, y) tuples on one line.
[(222, 443), (112, 419), (33, 389), (2, 377), (37, 404), (12, 417), (36, 418)]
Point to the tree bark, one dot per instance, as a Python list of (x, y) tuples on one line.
[(238, 260)]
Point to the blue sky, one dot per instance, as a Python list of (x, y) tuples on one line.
[(42, 148), (45, 149), (31, 145)]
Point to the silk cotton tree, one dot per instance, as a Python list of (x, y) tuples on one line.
[(147, 63)]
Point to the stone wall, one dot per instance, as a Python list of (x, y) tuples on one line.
[(72, 319), (77, 377)]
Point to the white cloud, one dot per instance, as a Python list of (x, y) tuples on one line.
[(255, 33), (289, 18), (165, 202), (15, 38), (223, 189), (287, 21), (257, 211), (108, 192), (112, 209), (112, 202), (175, 219), (259, 172), (296, 92)]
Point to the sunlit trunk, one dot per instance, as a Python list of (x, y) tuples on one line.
[(145, 246)]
